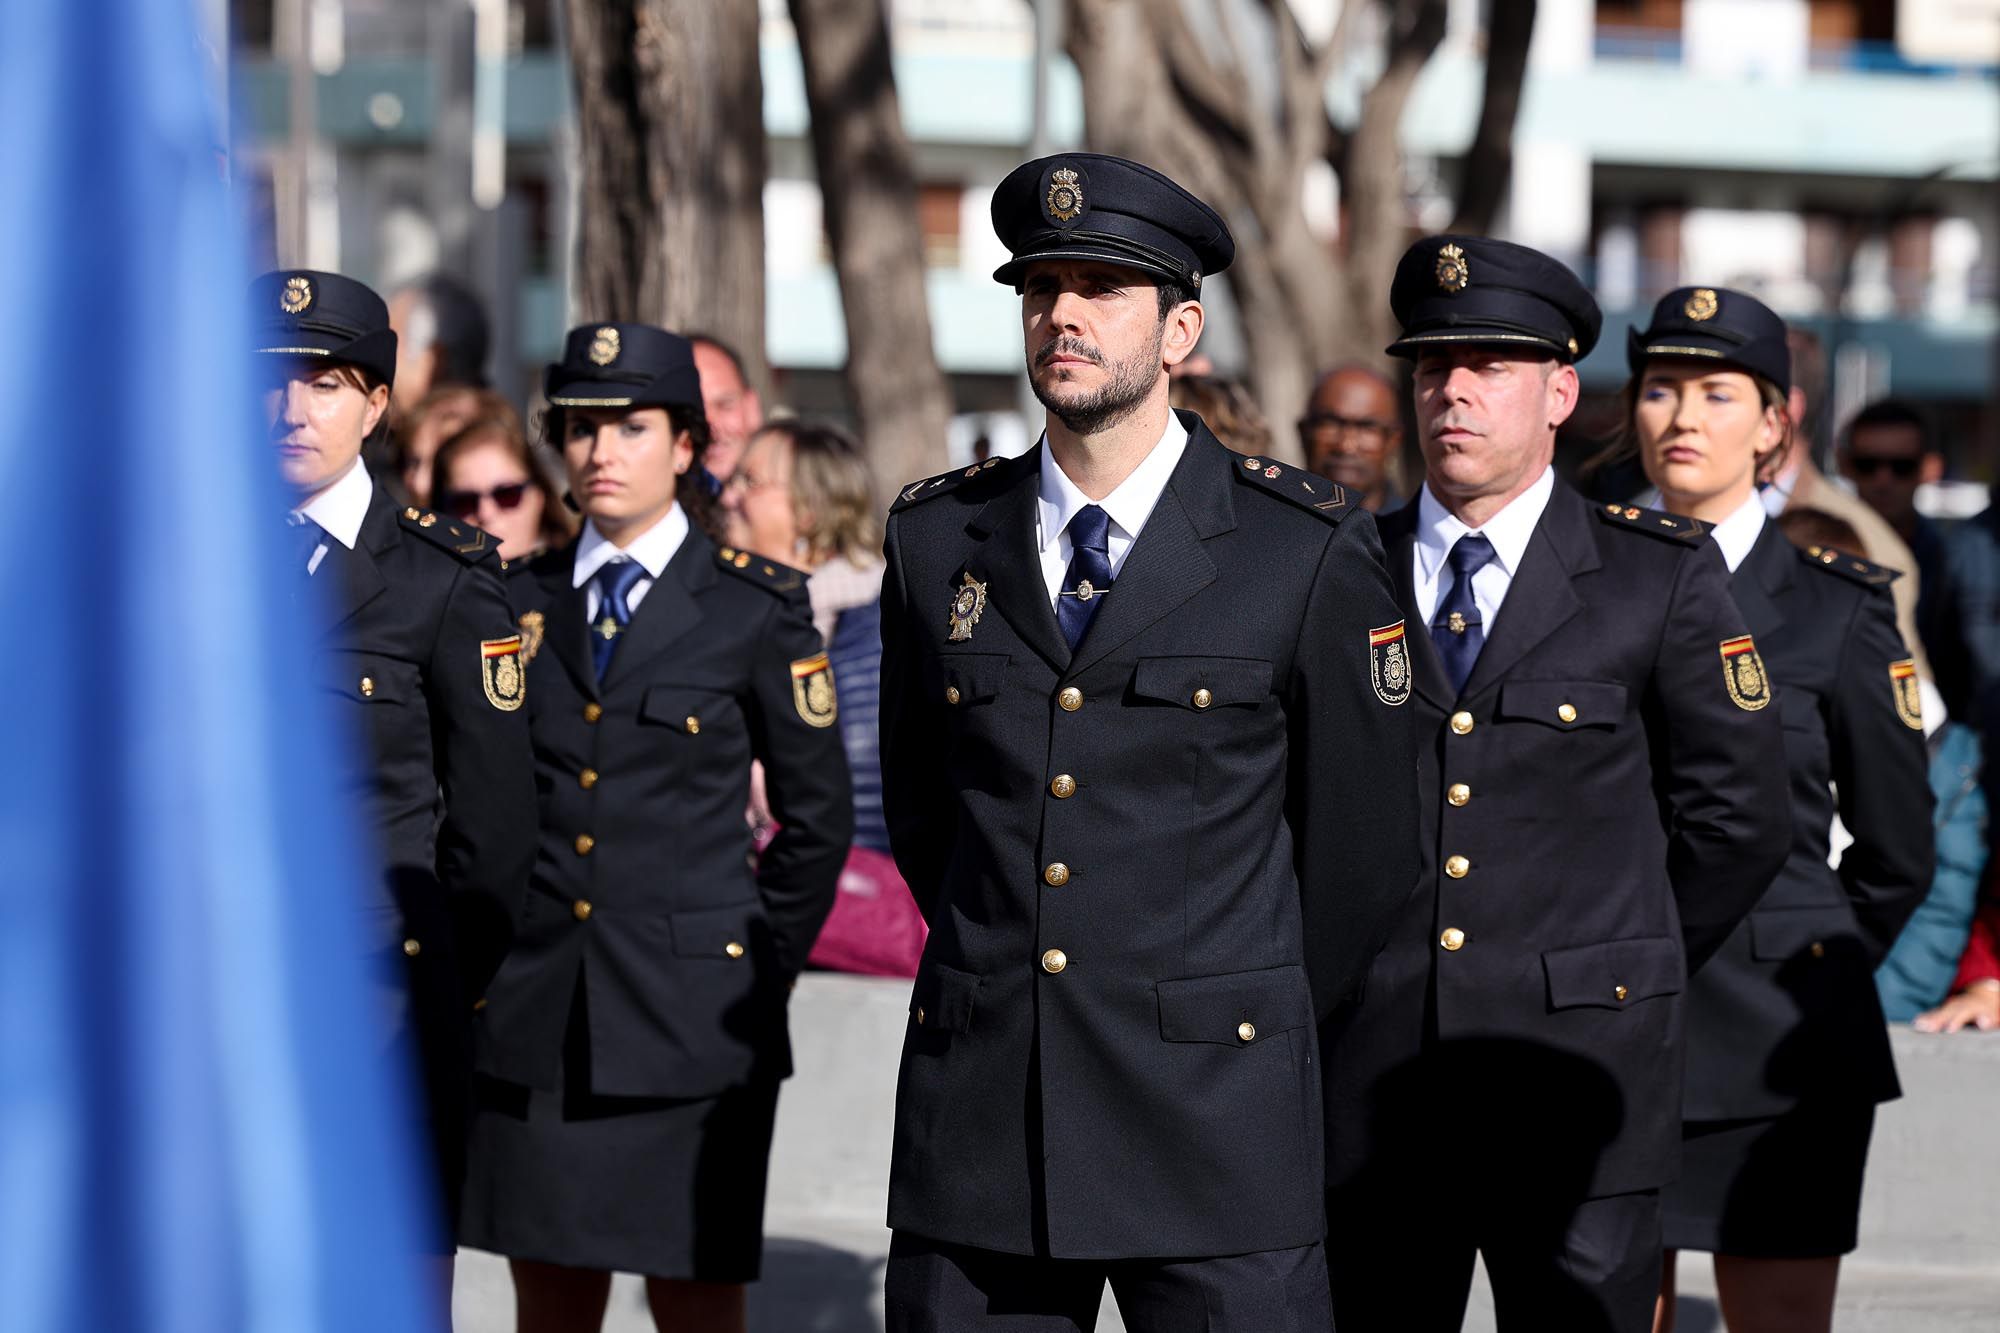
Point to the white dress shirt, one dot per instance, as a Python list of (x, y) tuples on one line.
[(1508, 530), (652, 548), (338, 510), (1738, 533), (1128, 506)]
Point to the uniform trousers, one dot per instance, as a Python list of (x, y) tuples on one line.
[(932, 1287), (1402, 1261)]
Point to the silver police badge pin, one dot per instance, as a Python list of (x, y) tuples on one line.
[(966, 607)]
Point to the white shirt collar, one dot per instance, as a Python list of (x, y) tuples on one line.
[(1509, 530), (1130, 503), (1738, 533), (652, 548), (341, 507)]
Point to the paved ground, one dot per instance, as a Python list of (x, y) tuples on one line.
[(1929, 1260)]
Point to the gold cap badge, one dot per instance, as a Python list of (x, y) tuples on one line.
[(1701, 305), (1454, 275), (1065, 194), (604, 347), (297, 294)]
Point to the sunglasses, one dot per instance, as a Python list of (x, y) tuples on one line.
[(464, 504), (1898, 467)]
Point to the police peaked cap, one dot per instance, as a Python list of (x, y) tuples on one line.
[(1718, 324), (623, 365), (1094, 206), (305, 313), (1473, 289)]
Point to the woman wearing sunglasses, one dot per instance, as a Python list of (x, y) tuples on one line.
[(1787, 1053), (488, 475), (634, 1040)]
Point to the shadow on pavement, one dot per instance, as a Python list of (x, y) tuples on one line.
[(812, 1288)]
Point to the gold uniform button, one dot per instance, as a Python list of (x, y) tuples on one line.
[(591, 712), (580, 909), (920, 1015), (951, 694), (1202, 698), (1070, 699), (1453, 939), (1056, 875), (1567, 712), (1246, 1031), (1458, 793), (584, 842), (1457, 867), (1461, 723), (1054, 961), (1063, 787), (693, 725), (733, 949), (1818, 949), (587, 779), (367, 686), (411, 948), (1620, 992)]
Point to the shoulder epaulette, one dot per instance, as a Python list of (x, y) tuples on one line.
[(932, 487), (769, 575), (1667, 527), (468, 543), (1312, 493), (1850, 567)]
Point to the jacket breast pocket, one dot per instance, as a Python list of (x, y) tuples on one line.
[(1235, 1008), (692, 710), (943, 998), (1564, 705), (1782, 933), (1616, 974), (1203, 684), (964, 680)]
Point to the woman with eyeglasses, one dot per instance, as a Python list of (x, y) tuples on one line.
[(488, 475), (633, 1043), (1787, 1052)]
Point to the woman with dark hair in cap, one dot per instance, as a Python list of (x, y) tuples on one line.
[(1787, 1051), (421, 645), (633, 1043)]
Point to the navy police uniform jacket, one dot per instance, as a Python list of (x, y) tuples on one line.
[(645, 901), (1122, 852), (1788, 1009), (419, 641), (1600, 809)]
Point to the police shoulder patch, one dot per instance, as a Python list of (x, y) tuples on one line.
[(1743, 674), (1654, 522), (468, 543), (766, 574), (1389, 664), (1908, 695), (1850, 567), (812, 691), (931, 487), (1307, 490), (503, 673)]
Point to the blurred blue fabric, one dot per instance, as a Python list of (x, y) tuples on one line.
[(194, 1134)]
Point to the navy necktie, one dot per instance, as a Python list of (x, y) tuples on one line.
[(305, 536), (614, 584), (1089, 576), (1457, 630)]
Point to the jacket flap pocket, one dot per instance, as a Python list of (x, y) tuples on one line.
[(721, 933), (363, 678), (1785, 932), (1566, 705), (965, 678), (1203, 682), (686, 707), (1614, 974), (943, 997), (1236, 1008)]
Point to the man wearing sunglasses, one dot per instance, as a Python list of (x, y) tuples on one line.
[(1888, 451), (1353, 434)]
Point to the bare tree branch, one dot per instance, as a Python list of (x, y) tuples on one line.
[(1489, 162)]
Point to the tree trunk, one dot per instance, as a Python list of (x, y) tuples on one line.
[(1489, 163), (867, 180), (670, 124)]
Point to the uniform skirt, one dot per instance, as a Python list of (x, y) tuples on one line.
[(663, 1187), (1783, 1187)]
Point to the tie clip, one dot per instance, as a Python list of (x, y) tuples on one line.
[(1085, 590)]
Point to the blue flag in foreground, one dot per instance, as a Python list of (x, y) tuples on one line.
[(194, 1134)]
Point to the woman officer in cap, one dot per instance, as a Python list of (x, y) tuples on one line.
[(1787, 1051), (633, 1042), (421, 645)]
